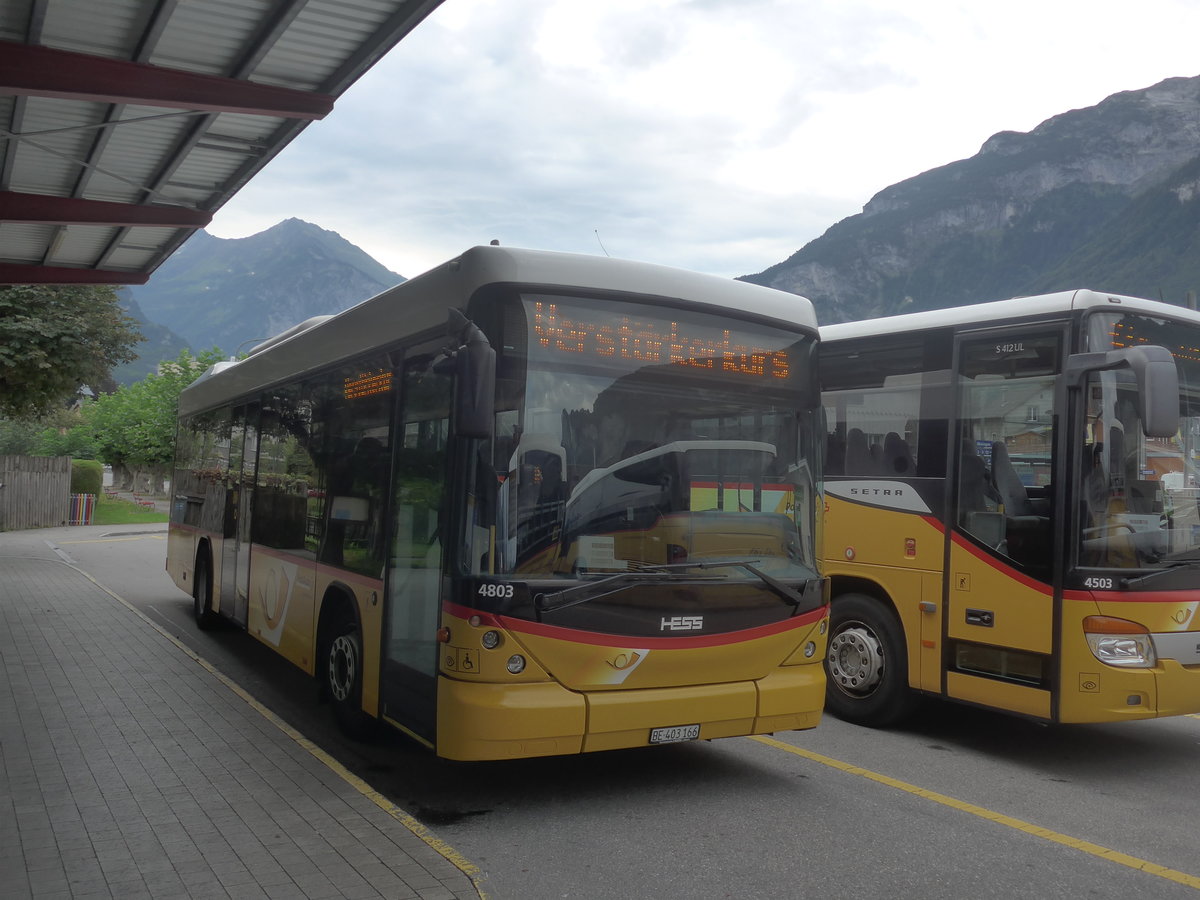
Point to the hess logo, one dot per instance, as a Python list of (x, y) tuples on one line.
[(682, 623)]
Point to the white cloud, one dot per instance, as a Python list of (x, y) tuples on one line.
[(712, 134)]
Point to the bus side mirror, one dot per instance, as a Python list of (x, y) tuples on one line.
[(1157, 381), (1158, 389), (474, 382)]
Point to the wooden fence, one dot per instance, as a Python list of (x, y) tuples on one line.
[(35, 491)]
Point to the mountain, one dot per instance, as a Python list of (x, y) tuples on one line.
[(232, 293), (1106, 197), (160, 343)]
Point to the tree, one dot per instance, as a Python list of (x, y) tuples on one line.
[(18, 437), (55, 339), (135, 427), (65, 432)]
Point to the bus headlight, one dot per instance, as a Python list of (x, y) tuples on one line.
[(1119, 642), (516, 664), (490, 640)]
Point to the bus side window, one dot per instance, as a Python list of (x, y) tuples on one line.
[(978, 502), (897, 457), (1008, 483)]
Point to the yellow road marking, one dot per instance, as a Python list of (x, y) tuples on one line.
[(460, 862), (1123, 859)]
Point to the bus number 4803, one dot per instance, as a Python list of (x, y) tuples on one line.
[(504, 591)]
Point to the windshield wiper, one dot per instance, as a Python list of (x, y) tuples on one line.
[(1172, 566), (651, 573), (592, 590), (787, 592)]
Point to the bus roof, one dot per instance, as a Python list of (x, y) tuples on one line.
[(422, 304), (1001, 312)]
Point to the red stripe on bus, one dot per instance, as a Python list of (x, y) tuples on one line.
[(1008, 571), (622, 640), (1185, 595)]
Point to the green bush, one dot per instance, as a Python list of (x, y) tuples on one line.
[(87, 476)]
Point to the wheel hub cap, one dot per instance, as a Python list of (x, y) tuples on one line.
[(855, 660), (343, 667)]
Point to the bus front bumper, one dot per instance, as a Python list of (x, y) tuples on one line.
[(480, 721)]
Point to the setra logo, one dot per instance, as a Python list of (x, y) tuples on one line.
[(682, 623)]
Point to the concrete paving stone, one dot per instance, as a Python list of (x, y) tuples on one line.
[(358, 892), (117, 866), (83, 870), (231, 872), (215, 892), (37, 837), (289, 891), (126, 881), (248, 892), (72, 841), (200, 880), (190, 865), (163, 884), (270, 874), (319, 889), (176, 842), (47, 881), (42, 858)]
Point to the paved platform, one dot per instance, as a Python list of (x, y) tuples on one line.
[(131, 768)]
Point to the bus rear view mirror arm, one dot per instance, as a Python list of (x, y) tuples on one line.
[(475, 378), (1157, 381)]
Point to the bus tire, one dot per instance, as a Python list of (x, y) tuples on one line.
[(866, 666), (202, 593), (344, 681)]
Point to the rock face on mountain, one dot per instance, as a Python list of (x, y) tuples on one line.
[(232, 293), (1106, 197)]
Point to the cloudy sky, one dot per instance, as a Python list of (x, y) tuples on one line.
[(716, 135)]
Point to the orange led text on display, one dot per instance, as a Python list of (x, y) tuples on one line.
[(367, 384), (652, 342)]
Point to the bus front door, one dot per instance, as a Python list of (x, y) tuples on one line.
[(999, 601), (410, 664)]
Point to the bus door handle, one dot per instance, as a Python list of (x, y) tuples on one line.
[(984, 617)]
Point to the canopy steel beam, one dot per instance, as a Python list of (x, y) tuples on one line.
[(63, 74), (46, 210), (17, 273)]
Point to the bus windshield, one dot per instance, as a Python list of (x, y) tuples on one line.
[(1140, 499), (647, 438)]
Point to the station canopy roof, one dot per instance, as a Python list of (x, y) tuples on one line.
[(125, 124)]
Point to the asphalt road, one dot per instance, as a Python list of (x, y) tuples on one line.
[(959, 803)]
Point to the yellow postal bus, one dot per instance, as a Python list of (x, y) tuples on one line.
[(1013, 515), (527, 503)]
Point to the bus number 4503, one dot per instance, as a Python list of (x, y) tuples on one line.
[(1102, 584)]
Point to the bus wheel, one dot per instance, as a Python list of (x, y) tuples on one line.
[(202, 594), (344, 677), (866, 665)]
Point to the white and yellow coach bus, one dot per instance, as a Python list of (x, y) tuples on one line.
[(1012, 509)]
